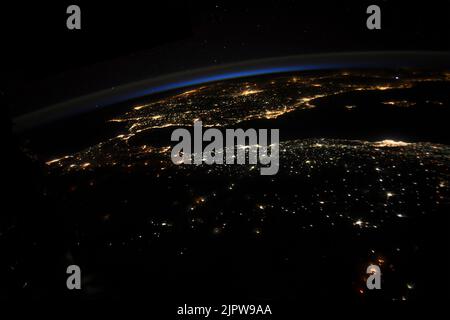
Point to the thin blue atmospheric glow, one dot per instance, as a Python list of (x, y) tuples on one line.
[(223, 76), (110, 98), (219, 77)]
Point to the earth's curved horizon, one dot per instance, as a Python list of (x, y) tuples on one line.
[(26, 118)]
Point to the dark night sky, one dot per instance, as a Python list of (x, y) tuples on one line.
[(43, 62)]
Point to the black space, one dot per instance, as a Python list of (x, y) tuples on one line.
[(145, 38)]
